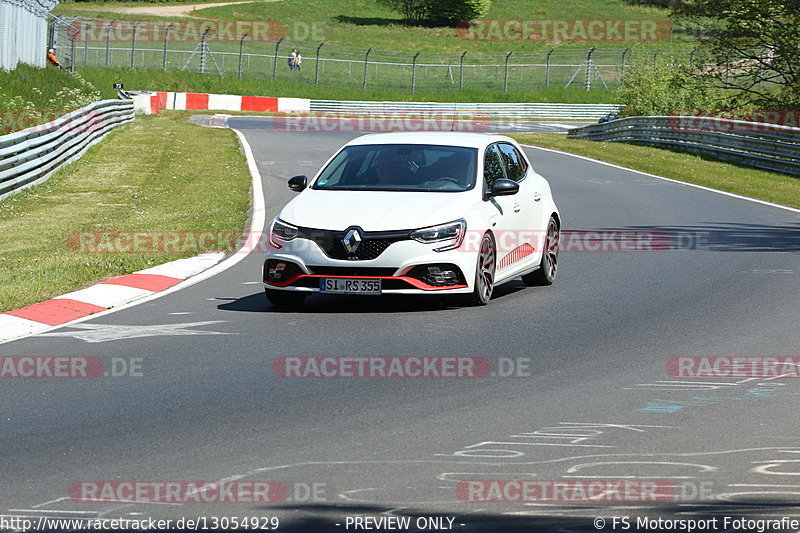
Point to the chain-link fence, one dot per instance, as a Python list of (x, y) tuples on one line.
[(100, 42)]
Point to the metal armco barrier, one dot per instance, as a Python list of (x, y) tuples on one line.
[(29, 156), (505, 110), (757, 144)]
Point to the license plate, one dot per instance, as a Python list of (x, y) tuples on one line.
[(350, 286)]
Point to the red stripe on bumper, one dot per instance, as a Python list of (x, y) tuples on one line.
[(417, 284)]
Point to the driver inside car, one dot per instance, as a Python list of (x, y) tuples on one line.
[(391, 169)]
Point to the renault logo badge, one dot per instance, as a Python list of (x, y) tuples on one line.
[(352, 240)]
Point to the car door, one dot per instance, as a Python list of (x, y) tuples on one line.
[(526, 206), (504, 219)]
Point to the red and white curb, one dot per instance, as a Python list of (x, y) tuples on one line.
[(103, 296), (150, 103)]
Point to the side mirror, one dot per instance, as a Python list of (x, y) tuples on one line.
[(504, 187), (298, 183)]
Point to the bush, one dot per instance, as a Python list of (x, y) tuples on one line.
[(449, 12), (664, 91), (443, 12)]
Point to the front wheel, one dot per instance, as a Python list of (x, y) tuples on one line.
[(546, 273), (285, 299), (484, 273)]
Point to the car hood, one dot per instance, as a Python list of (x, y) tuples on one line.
[(375, 210)]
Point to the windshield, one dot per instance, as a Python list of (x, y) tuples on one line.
[(400, 167)]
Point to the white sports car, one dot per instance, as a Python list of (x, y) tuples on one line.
[(415, 213)]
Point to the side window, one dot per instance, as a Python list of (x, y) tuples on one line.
[(492, 167), (514, 161)]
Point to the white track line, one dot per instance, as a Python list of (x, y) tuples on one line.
[(732, 195), (253, 232)]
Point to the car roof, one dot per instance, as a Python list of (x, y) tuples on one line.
[(441, 138)]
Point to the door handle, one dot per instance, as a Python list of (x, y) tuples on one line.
[(537, 196), (517, 207)]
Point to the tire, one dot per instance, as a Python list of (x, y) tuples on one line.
[(285, 299), (484, 273), (548, 267)]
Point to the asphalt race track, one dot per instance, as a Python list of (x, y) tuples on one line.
[(589, 397)]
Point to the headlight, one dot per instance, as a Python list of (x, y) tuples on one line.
[(282, 232), (452, 231)]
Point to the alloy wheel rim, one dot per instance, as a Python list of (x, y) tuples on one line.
[(486, 269), (551, 253)]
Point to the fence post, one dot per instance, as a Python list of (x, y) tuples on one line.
[(275, 64), (547, 69), (655, 55), (316, 67), (589, 64), (505, 80), (622, 72), (133, 42), (203, 50), (166, 38), (366, 63), (86, 42), (691, 57), (52, 31), (461, 71), (241, 49), (72, 51), (108, 39), (414, 72)]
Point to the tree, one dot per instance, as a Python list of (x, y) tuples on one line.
[(752, 46)]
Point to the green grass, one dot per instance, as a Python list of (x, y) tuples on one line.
[(30, 96), (180, 81), (157, 174), (770, 186), (365, 23)]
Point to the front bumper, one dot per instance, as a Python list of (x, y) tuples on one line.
[(403, 268)]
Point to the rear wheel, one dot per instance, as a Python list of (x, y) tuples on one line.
[(546, 273), (484, 274), (285, 299)]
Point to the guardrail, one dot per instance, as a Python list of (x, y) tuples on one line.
[(505, 110), (757, 144), (30, 156)]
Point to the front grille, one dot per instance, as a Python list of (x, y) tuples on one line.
[(352, 271), (372, 244)]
